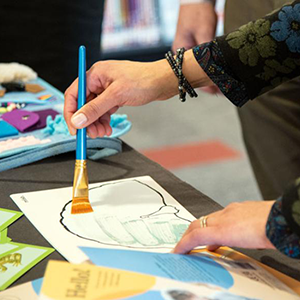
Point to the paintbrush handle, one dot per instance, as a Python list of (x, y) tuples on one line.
[(81, 133)]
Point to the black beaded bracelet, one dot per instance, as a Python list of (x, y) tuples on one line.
[(183, 85), (179, 61)]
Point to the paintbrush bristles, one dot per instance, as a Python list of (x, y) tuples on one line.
[(80, 201), (81, 206)]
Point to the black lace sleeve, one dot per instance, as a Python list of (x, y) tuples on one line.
[(255, 58)]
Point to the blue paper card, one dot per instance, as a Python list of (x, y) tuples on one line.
[(187, 268)]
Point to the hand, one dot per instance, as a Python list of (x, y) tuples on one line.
[(112, 84), (238, 225), (196, 25)]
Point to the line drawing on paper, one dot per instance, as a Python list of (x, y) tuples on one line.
[(127, 213)]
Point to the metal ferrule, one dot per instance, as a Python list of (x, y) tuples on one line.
[(81, 182)]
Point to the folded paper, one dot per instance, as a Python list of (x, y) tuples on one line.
[(66, 281), (3, 237), (7, 217), (134, 213), (16, 259)]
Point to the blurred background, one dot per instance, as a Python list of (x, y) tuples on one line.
[(199, 140), (142, 30)]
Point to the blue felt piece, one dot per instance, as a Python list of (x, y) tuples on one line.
[(7, 130)]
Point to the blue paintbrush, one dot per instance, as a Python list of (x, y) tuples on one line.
[(80, 201)]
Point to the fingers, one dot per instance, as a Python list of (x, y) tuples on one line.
[(210, 221), (94, 87), (238, 225), (94, 109), (95, 115), (197, 237), (213, 247), (187, 243), (101, 127)]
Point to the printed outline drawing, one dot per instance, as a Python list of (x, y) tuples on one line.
[(164, 204)]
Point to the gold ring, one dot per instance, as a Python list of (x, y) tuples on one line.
[(203, 222)]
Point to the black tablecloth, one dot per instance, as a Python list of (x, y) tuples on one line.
[(57, 172)]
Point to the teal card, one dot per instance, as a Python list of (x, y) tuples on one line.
[(7, 217), (16, 259)]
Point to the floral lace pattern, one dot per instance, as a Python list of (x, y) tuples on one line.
[(280, 234), (210, 58), (257, 57), (253, 41), (287, 28)]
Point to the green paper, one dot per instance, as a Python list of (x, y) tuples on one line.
[(7, 217), (16, 259), (3, 237)]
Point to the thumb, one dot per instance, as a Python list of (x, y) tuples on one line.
[(94, 109)]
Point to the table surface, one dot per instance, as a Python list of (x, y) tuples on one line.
[(57, 172)]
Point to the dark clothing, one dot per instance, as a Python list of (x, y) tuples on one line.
[(248, 62), (46, 34), (275, 162)]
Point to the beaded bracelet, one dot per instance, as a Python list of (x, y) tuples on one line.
[(183, 85), (179, 61)]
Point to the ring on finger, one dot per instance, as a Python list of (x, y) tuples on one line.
[(203, 221)]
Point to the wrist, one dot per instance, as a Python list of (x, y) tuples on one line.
[(165, 78), (168, 80), (193, 72)]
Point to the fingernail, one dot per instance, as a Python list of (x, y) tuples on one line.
[(79, 120)]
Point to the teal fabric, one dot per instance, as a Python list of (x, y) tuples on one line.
[(57, 132), (107, 146)]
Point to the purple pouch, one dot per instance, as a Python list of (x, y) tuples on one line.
[(21, 119)]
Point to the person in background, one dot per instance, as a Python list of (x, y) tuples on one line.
[(45, 35), (239, 64), (275, 161)]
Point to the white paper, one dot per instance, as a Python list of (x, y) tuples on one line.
[(133, 213)]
